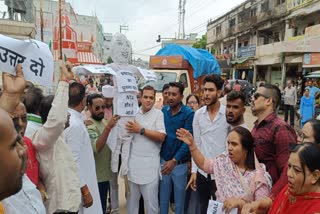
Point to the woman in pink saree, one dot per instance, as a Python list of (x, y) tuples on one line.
[(239, 176)]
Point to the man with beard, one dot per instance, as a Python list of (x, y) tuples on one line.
[(235, 109), (12, 151), (174, 153), (99, 131), (210, 130), (272, 135)]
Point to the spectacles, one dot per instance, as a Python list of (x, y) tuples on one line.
[(192, 103), (97, 108), (257, 95)]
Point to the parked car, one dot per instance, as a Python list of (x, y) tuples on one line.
[(246, 87)]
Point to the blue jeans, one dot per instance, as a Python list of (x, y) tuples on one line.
[(179, 178), (104, 188)]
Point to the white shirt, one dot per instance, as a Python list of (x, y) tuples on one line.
[(78, 140), (144, 159), (56, 165), (290, 96), (209, 136), (27, 201)]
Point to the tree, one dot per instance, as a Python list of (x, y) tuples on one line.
[(201, 43), (109, 60)]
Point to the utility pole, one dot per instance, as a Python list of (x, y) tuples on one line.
[(60, 29), (124, 27), (182, 12), (41, 21)]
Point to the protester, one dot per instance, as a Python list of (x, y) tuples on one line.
[(310, 132), (164, 100), (28, 199), (237, 87), (235, 109), (193, 101), (290, 101), (191, 203), (272, 136), (210, 130), (313, 90), (78, 140), (302, 193), (32, 99), (90, 88), (99, 131), (57, 167), (174, 154), (19, 118), (307, 109), (144, 163), (247, 179), (12, 151)]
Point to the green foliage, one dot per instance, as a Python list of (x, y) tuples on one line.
[(201, 43), (109, 60)]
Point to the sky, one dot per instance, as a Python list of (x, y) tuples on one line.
[(146, 19)]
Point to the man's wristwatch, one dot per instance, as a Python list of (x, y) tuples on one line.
[(142, 131)]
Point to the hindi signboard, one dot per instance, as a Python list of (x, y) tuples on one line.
[(127, 104), (126, 81), (35, 57)]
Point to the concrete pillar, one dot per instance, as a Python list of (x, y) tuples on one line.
[(254, 80), (283, 71), (221, 48), (237, 41), (268, 74)]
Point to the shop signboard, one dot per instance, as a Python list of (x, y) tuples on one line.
[(311, 60), (247, 51)]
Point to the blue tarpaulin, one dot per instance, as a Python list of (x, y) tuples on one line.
[(201, 60)]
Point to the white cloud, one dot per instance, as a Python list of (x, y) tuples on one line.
[(147, 19)]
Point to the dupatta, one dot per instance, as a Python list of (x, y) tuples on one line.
[(286, 202), (231, 183)]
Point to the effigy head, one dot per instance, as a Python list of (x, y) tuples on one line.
[(121, 49)]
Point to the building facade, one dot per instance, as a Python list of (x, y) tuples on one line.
[(81, 37), (267, 40)]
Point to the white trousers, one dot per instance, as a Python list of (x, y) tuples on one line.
[(149, 193)]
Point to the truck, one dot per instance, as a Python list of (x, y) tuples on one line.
[(178, 63)]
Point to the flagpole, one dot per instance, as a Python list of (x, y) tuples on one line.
[(41, 21), (60, 29)]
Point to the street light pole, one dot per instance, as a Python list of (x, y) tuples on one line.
[(41, 21)]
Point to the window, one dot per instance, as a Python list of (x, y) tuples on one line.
[(245, 43), (232, 22), (184, 80), (280, 2), (218, 30), (265, 6), (253, 12)]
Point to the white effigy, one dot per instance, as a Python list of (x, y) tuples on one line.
[(125, 103)]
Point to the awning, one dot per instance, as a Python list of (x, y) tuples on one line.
[(83, 57), (87, 58), (239, 61)]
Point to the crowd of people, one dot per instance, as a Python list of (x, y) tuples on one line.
[(55, 157)]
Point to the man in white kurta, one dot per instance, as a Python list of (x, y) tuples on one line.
[(57, 167), (78, 140), (144, 161)]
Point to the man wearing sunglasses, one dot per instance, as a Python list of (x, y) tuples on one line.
[(272, 135), (99, 131)]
